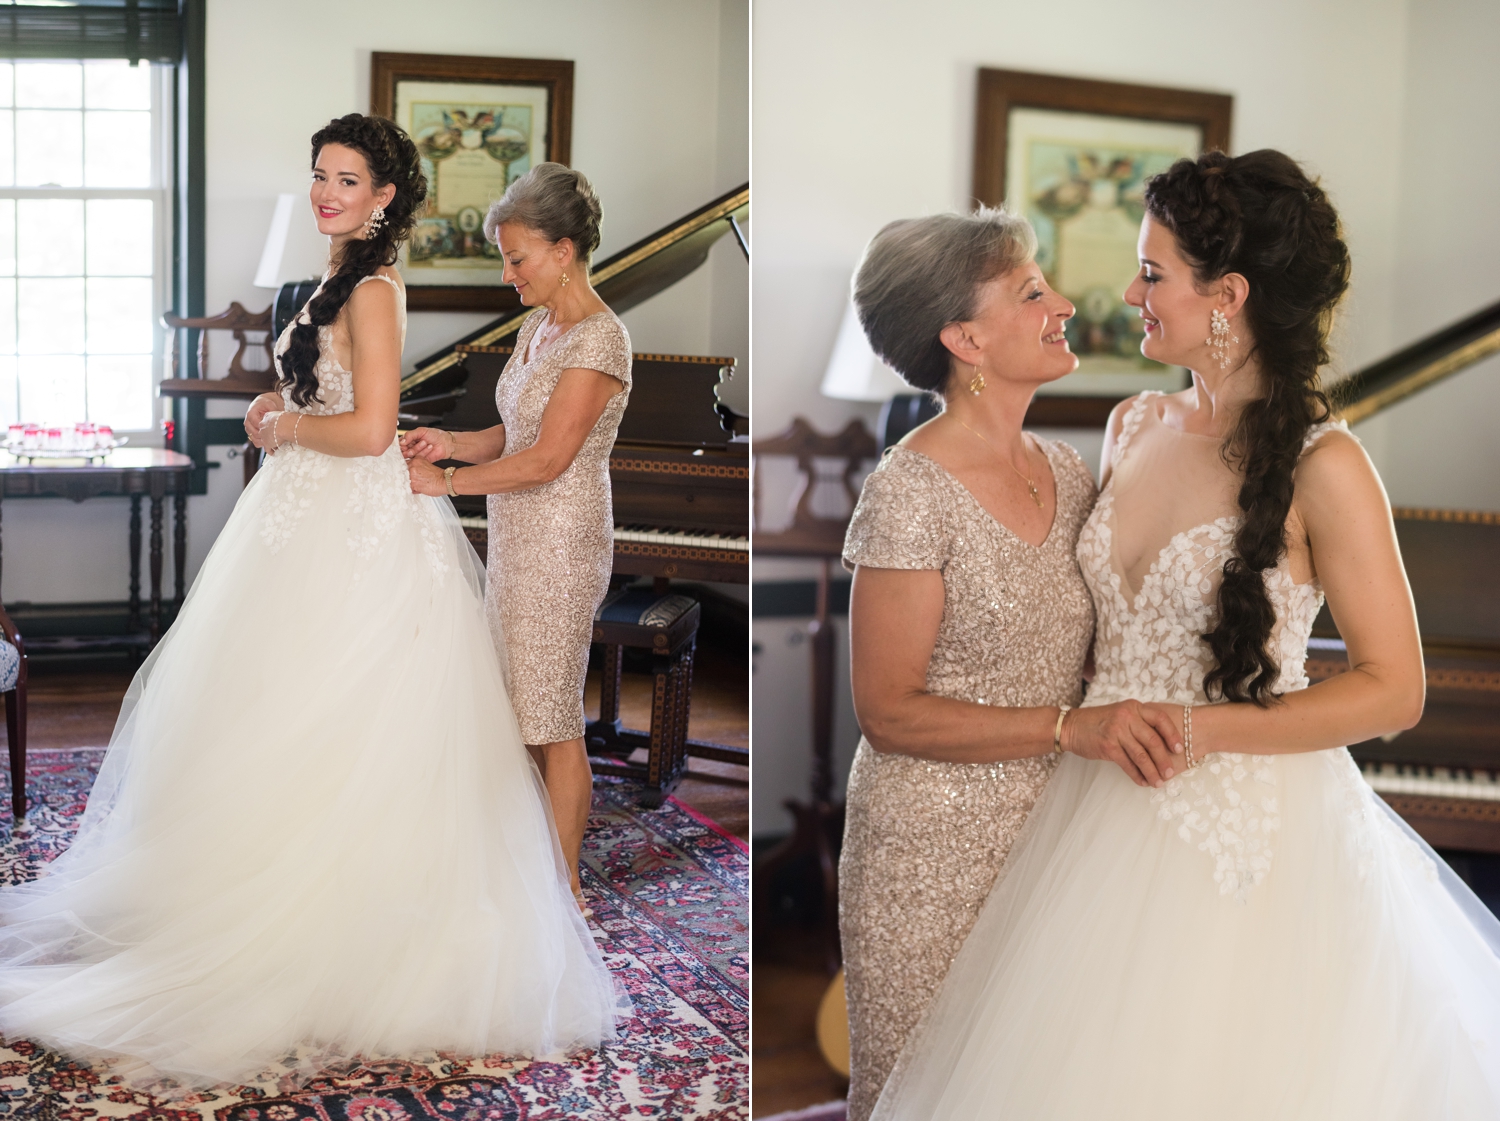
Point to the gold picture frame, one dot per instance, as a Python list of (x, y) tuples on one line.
[(1073, 155), (479, 123)]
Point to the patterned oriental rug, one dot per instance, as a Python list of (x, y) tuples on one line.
[(669, 890)]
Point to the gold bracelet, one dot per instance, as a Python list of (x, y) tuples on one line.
[(275, 420), (1062, 712), (448, 481), (1187, 735)]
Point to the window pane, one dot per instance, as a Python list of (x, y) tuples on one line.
[(7, 237), (49, 148), (7, 83), (52, 389), (51, 317), (7, 316), (115, 84), (120, 391), (119, 316), (7, 148), (49, 85), (9, 406), (119, 237), (117, 149), (49, 237)]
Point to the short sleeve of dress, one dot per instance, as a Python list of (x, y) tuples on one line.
[(901, 520), (600, 343)]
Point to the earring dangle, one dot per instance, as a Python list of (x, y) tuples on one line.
[(375, 221), (564, 280), (1219, 338), (976, 383)]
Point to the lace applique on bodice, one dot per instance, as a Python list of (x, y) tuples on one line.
[(380, 494), (1148, 646)]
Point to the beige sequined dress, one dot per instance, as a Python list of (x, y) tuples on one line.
[(923, 841), (552, 546)]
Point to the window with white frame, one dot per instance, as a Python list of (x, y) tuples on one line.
[(85, 233)]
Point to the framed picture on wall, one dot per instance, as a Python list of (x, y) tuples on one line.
[(480, 123), (1073, 155)]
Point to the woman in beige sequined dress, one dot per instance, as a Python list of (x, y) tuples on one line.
[(545, 469), (969, 620)]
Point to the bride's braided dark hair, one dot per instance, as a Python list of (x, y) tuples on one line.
[(392, 158), (1259, 215)]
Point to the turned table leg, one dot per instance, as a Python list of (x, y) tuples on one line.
[(135, 562), (156, 559), (179, 550)]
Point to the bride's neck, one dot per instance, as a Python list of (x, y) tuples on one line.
[(1219, 395)]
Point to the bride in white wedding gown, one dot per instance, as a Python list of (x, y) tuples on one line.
[(1260, 937), (317, 833)]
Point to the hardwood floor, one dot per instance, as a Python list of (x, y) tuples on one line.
[(72, 708), (787, 1070)]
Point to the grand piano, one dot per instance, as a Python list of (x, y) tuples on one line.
[(1442, 776), (680, 469)]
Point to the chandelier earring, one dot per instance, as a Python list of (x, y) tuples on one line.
[(1219, 339), (564, 280), (976, 383), (374, 222)]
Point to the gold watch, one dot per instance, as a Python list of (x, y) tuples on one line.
[(448, 481)]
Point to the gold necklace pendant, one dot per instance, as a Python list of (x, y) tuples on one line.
[(1030, 485)]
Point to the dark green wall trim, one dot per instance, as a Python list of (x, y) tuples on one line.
[(795, 599), (188, 253)]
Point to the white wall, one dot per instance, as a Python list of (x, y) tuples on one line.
[(1440, 447), (864, 112), (660, 108)]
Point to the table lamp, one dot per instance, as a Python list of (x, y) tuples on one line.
[(856, 373)]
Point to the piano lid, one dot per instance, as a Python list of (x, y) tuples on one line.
[(627, 278)]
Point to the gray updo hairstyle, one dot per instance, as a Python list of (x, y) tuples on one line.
[(555, 201), (920, 274)]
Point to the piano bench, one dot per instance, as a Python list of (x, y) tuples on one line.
[(667, 626)]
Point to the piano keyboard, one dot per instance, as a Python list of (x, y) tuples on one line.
[(1441, 782), (645, 536)]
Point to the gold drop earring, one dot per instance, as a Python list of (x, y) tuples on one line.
[(976, 383), (564, 280)]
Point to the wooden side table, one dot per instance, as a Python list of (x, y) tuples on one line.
[(139, 473)]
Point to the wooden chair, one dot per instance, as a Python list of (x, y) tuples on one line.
[(819, 822), (13, 685), (240, 382)]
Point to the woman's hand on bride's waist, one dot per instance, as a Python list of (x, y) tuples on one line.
[(431, 444), (1141, 739)]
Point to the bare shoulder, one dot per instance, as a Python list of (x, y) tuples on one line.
[(377, 300), (1335, 476), (928, 438)]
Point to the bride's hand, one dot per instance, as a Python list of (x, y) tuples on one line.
[(1134, 736), (426, 479), (255, 416), (431, 444)]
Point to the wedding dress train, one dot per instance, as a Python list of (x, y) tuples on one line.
[(1260, 939), (316, 827)]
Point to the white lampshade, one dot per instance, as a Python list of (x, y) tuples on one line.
[(854, 372), (294, 248)]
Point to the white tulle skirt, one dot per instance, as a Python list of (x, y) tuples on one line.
[(316, 829), (1268, 941)]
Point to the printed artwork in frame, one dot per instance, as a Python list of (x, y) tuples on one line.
[(1073, 155), (479, 123)]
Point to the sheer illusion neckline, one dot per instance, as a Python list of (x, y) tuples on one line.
[(968, 494), (548, 349)]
